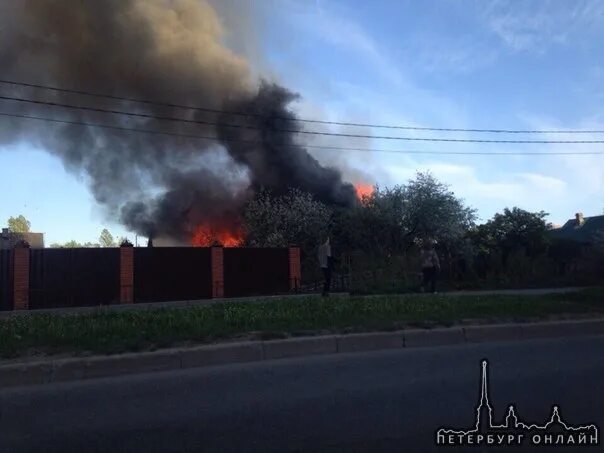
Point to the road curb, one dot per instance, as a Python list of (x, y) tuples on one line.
[(132, 364), (61, 370), (370, 341), (295, 347), (569, 328), (499, 332), (220, 354), (416, 338)]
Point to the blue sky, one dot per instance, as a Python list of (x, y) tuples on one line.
[(438, 63)]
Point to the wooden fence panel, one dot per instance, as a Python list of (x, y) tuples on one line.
[(73, 277), (255, 271), (6, 280), (172, 273)]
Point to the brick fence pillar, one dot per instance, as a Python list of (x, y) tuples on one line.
[(295, 272), (21, 276), (126, 274), (217, 257)]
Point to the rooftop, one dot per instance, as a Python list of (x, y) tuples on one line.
[(9, 239), (580, 229)]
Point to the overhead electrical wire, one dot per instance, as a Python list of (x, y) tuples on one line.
[(339, 148), (293, 131), (305, 120)]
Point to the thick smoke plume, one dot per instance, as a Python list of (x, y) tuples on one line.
[(169, 51)]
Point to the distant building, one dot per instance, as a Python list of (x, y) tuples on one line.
[(9, 239), (583, 230)]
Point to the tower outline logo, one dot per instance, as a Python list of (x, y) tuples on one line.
[(514, 431)]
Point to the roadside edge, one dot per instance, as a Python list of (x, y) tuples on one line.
[(61, 370)]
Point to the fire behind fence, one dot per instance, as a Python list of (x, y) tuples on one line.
[(89, 277)]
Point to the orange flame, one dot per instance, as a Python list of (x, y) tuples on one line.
[(363, 190), (206, 236)]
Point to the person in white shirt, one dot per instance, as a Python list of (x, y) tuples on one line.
[(430, 266), (325, 261)]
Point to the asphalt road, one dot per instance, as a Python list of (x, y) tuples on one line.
[(391, 401)]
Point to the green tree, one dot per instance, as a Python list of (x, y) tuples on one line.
[(374, 226), (72, 244), (19, 224), (513, 230), (392, 220), (106, 239)]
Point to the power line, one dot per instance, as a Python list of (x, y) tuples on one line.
[(305, 120), (293, 131), (338, 148)]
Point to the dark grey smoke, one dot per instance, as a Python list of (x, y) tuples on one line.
[(276, 161), (165, 50)]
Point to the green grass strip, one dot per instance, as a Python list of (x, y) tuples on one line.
[(135, 330)]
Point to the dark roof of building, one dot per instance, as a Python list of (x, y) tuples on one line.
[(8, 239), (584, 233)]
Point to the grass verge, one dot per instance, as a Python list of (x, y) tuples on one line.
[(107, 332)]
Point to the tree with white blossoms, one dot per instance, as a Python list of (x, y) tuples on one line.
[(293, 218), (432, 211)]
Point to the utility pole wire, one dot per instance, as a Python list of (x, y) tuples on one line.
[(335, 148), (291, 131), (304, 120)]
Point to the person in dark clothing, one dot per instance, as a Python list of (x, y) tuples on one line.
[(326, 263), (430, 266)]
